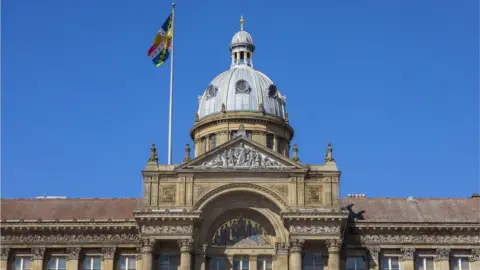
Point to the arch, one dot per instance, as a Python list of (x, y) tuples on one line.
[(263, 191)]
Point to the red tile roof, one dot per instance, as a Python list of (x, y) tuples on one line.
[(368, 209)]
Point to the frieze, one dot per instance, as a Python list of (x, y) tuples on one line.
[(414, 239), (178, 229), (73, 253), (4, 252), (407, 254), (313, 229), (68, 238)]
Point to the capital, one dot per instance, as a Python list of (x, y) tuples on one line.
[(374, 252), (407, 254), (443, 254), (108, 253), (281, 248), (296, 245), (38, 253), (475, 255), (4, 252), (147, 245), (186, 245), (334, 245), (73, 253)]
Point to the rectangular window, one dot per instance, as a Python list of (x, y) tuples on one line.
[(424, 263), (169, 261), (355, 263), (249, 134), (203, 144), (241, 263), (390, 263), (92, 263), (22, 263), (57, 263), (312, 261), (219, 263), (213, 141), (270, 141), (460, 263), (264, 263), (127, 263)]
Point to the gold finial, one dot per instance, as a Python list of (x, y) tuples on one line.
[(241, 23)]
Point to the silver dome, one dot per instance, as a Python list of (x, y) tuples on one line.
[(241, 38), (241, 88)]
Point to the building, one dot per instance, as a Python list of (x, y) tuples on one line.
[(241, 202)]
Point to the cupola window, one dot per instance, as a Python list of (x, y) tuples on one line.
[(242, 87), (211, 91), (213, 141), (272, 91), (270, 141)]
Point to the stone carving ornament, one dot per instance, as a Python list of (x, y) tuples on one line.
[(411, 239), (313, 229), (186, 245), (38, 253), (443, 254), (374, 252), (242, 157), (4, 252), (178, 229), (334, 245), (281, 248), (68, 238), (296, 245), (211, 91), (475, 255), (108, 253), (407, 254), (147, 245), (73, 253)]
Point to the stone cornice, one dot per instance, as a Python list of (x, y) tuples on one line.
[(402, 238), (385, 228), (78, 237), (314, 214), (154, 215), (39, 223)]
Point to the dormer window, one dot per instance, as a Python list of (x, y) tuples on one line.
[(272, 91), (242, 87), (211, 91)]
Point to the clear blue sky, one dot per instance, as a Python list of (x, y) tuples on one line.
[(392, 84)]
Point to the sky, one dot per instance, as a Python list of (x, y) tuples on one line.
[(392, 84)]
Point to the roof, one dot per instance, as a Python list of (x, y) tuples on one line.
[(445, 210)]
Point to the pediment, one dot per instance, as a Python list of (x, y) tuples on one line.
[(241, 153)]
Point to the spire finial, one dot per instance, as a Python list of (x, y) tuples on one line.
[(241, 23)]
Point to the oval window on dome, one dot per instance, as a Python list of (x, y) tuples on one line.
[(272, 91), (211, 91), (242, 87)]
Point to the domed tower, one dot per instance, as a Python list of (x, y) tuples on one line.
[(242, 100)]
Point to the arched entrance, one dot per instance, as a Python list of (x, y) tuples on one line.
[(240, 228)]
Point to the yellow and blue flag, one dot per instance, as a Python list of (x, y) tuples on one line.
[(160, 50)]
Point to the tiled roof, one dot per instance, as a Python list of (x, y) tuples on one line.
[(67, 209), (366, 209)]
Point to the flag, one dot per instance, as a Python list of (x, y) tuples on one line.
[(160, 50)]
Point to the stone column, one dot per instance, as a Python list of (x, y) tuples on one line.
[(373, 257), (72, 258), (4, 254), (186, 246), (334, 246), (442, 259), (407, 258), (252, 262), (281, 256), (201, 258), (108, 258), (147, 257), (139, 258), (38, 254), (296, 254), (475, 259)]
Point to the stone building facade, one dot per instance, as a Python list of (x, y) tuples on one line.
[(241, 202)]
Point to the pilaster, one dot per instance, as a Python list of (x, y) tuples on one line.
[(280, 260), (334, 246), (407, 258), (139, 258), (296, 247), (4, 254), (186, 246), (73, 254), (442, 259), (147, 249), (252, 261), (37, 258), (108, 258), (475, 258), (201, 258), (373, 257)]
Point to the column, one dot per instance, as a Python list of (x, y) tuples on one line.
[(73, 255), (252, 261), (200, 258), (281, 256), (475, 259), (373, 257), (139, 258), (334, 246), (407, 258), (442, 259), (37, 257), (108, 256), (296, 254), (147, 249), (186, 246), (4, 254)]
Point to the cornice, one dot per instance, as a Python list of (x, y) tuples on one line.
[(365, 226), (105, 223), (154, 215), (314, 214)]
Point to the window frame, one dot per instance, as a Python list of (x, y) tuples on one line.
[(22, 257), (216, 259), (362, 267), (314, 255), (126, 256), (241, 257), (458, 259), (56, 257), (424, 262), (92, 257), (169, 255), (263, 259), (390, 257)]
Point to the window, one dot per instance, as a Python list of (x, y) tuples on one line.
[(264, 263), (460, 263), (312, 261), (233, 134), (270, 141), (203, 145), (213, 141), (249, 134), (390, 263), (169, 261), (355, 263), (92, 263), (57, 263), (219, 263), (424, 263), (127, 263), (22, 263), (240, 263)]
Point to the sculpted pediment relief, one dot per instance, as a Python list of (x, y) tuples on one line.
[(241, 153)]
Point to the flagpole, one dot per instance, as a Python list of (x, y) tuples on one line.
[(171, 90)]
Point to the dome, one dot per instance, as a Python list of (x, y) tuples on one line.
[(241, 88), (241, 38)]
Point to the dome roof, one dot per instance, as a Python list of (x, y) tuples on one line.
[(241, 88), (241, 38)]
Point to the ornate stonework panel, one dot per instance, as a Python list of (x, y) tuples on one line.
[(167, 194), (241, 156), (200, 189), (419, 239), (61, 238), (241, 232), (167, 229), (313, 194), (281, 190), (313, 229)]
